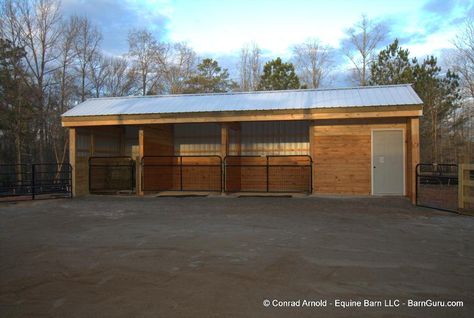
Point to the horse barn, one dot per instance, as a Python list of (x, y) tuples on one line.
[(350, 141)]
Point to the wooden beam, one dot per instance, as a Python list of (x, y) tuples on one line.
[(221, 117), (312, 147), (72, 157), (238, 139), (224, 140), (415, 154), (141, 139)]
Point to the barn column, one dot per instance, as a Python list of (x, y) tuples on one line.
[(224, 140), (224, 148), (415, 154), (72, 157), (312, 147), (139, 161)]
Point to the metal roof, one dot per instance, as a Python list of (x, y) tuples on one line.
[(388, 95)]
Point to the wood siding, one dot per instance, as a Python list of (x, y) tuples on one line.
[(341, 152), (158, 141)]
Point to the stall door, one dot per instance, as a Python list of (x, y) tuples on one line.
[(387, 162)]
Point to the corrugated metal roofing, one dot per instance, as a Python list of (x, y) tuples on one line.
[(389, 95)]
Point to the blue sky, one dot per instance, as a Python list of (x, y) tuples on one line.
[(220, 28)]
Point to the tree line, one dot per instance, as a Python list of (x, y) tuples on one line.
[(50, 63)]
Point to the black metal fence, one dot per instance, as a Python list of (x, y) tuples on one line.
[(291, 173), (108, 175), (182, 173), (437, 186), (35, 181)]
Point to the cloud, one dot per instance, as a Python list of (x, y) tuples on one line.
[(116, 18), (441, 7)]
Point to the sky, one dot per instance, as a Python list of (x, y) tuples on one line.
[(220, 28)]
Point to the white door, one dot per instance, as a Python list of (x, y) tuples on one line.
[(387, 162)]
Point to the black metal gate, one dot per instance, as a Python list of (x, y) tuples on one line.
[(35, 181), (292, 173), (108, 175), (437, 186), (182, 173)]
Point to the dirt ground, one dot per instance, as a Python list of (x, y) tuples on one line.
[(111, 256)]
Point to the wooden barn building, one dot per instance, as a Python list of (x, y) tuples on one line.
[(352, 141)]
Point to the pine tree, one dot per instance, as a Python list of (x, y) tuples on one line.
[(278, 76), (210, 78), (392, 66)]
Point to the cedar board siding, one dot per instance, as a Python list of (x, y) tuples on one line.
[(341, 152), (94, 141)]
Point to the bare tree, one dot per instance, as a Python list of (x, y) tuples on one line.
[(120, 78), (66, 58), (98, 73), (360, 46), (144, 49), (87, 45), (65, 78), (250, 67), (177, 64), (38, 24), (463, 64), (312, 62)]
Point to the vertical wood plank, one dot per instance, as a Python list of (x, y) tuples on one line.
[(72, 158), (224, 140), (415, 154), (311, 150), (141, 136), (461, 186)]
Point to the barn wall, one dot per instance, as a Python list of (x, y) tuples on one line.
[(271, 138), (95, 141), (158, 141), (197, 139), (341, 151)]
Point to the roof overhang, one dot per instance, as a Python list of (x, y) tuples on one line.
[(242, 116)]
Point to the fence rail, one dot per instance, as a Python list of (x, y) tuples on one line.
[(291, 173), (35, 181)]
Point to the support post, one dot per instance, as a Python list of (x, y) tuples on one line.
[(224, 140), (224, 146), (461, 186), (140, 177), (72, 158), (311, 150), (415, 155)]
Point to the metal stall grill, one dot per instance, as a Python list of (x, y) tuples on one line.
[(182, 173), (437, 186), (111, 174), (35, 181), (292, 173)]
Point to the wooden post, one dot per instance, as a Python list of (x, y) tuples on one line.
[(312, 146), (415, 154), (141, 151), (224, 140), (72, 157), (464, 186), (224, 147), (238, 139), (461, 186), (92, 143)]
